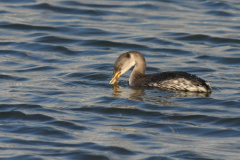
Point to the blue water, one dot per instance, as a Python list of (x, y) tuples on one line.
[(57, 59)]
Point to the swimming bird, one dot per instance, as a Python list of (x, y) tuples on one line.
[(172, 80)]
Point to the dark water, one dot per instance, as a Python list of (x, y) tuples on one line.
[(57, 58)]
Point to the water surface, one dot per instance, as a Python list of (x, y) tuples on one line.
[(57, 58)]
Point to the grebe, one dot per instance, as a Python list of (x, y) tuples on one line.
[(173, 80)]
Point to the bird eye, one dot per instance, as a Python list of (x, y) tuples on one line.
[(128, 55)]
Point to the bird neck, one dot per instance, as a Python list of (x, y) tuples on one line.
[(138, 71), (140, 64)]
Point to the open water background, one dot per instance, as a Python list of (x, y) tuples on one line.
[(57, 58)]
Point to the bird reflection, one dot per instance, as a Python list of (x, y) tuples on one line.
[(135, 94), (139, 94), (116, 92)]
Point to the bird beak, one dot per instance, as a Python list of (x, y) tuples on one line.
[(115, 77)]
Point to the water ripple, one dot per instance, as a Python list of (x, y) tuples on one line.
[(209, 39), (65, 10), (26, 27), (220, 13)]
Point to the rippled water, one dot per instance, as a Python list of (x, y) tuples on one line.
[(57, 58)]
